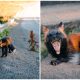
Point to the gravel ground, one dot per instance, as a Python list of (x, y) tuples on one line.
[(23, 64)]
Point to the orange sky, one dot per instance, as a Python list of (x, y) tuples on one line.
[(19, 8), (8, 9), (20, 0)]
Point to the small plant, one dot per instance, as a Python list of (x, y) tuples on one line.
[(44, 51), (4, 33), (1, 35)]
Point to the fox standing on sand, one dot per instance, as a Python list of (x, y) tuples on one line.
[(32, 41)]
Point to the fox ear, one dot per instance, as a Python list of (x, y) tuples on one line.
[(45, 29)]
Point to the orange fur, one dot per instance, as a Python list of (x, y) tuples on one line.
[(9, 41), (32, 39), (74, 42)]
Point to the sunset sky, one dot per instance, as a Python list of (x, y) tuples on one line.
[(18, 8), (19, 0)]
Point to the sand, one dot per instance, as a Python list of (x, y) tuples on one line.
[(62, 71)]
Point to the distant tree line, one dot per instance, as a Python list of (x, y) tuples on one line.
[(45, 3)]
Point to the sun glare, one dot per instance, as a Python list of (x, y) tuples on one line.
[(29, 10), (20, 9)]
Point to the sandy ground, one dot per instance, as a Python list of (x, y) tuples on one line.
[(51, 15), (61, 71), (23, 64)]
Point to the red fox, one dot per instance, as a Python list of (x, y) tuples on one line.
[(8, 42)]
